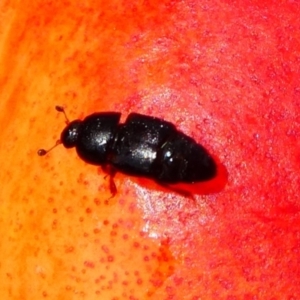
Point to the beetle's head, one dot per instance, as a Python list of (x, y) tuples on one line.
[(68, 136)]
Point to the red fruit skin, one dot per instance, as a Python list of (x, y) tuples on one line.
[(226, 73)]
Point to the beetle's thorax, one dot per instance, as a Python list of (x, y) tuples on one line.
[(95, 136), (69, 135)]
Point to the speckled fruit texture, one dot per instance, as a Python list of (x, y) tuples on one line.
[(226, 73)]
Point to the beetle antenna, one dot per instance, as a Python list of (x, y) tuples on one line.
[(43, 152), (62, 110)]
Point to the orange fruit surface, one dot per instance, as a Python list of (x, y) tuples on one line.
[(226, 73)]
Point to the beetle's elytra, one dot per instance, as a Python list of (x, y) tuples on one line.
[(141, 146)]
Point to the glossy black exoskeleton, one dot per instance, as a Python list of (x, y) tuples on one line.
[(142, 146)]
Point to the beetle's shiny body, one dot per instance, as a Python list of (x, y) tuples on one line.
[(141, 146)]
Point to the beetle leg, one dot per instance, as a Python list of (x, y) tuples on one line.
[(111, 172), (112, 186)]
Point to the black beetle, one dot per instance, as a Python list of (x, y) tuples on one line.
[(143, 146)]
